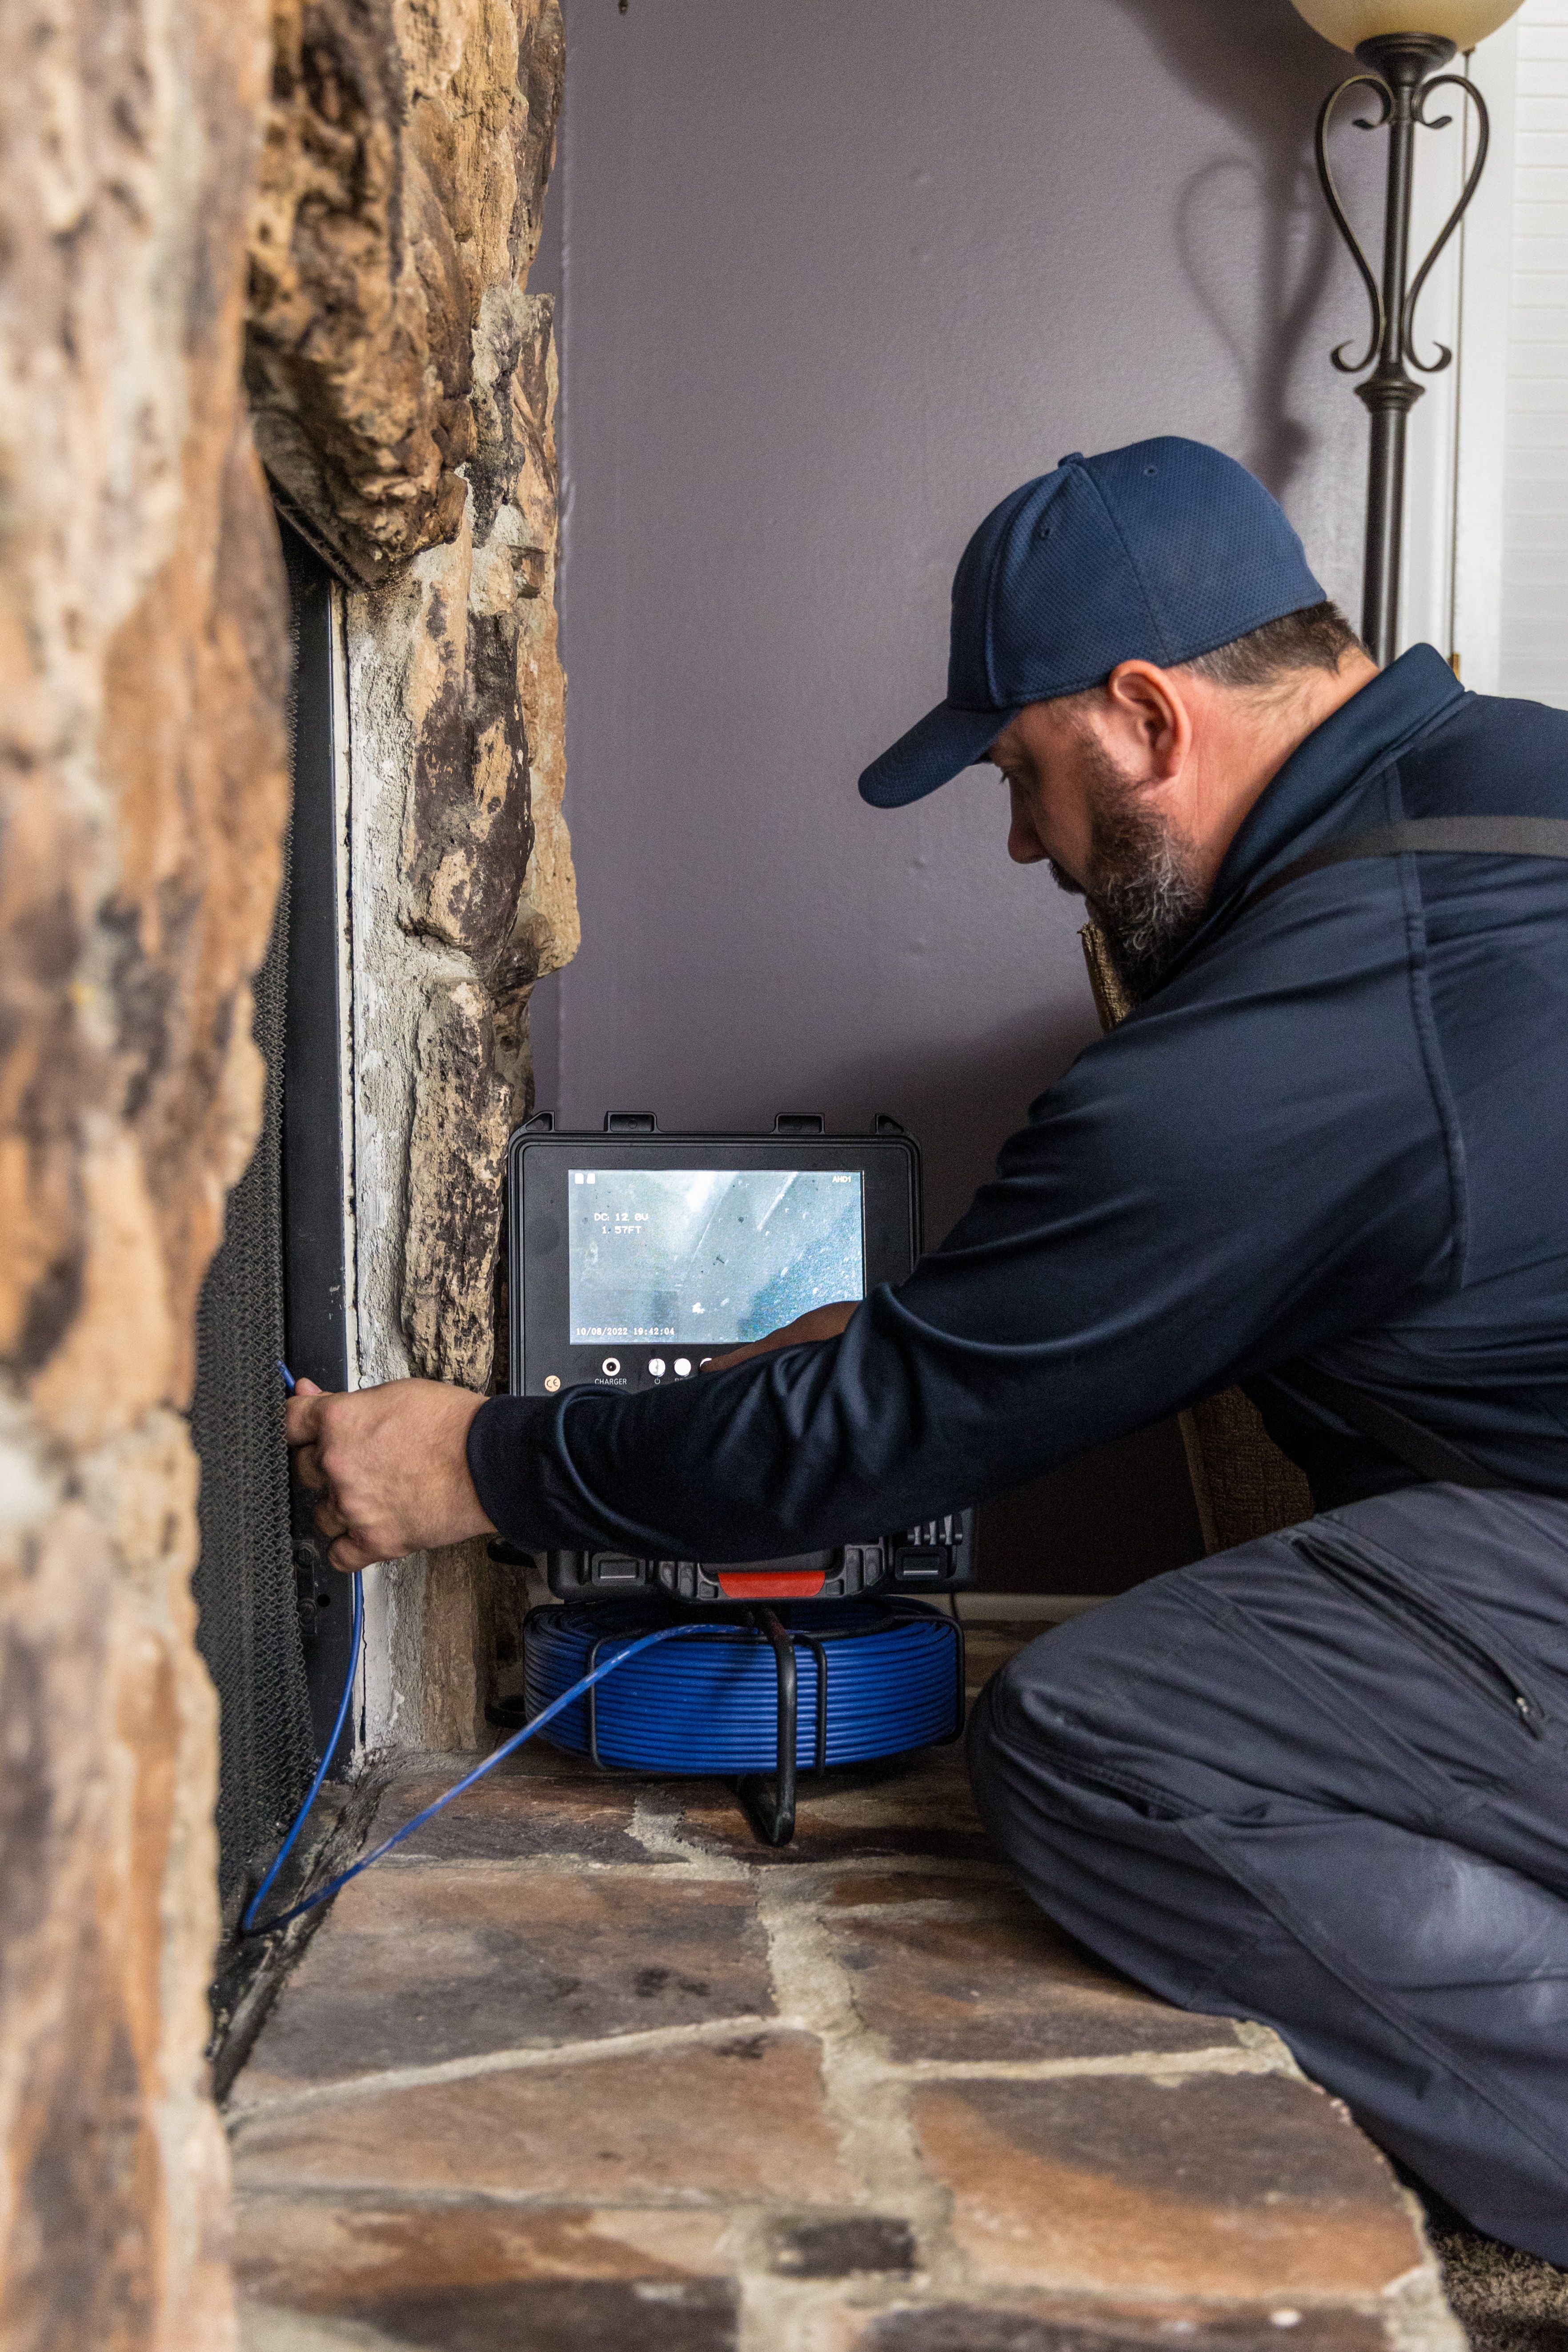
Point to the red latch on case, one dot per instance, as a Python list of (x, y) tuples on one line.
[(804, 1586)]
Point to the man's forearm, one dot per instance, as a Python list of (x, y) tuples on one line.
[(814, 1445)]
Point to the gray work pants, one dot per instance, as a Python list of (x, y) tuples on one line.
[(1323, 1780)]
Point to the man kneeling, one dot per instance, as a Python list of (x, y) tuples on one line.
[(1320, 1780)]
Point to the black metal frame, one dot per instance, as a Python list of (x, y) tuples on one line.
[(1402, 70), (772, 1816), (314, 1273)]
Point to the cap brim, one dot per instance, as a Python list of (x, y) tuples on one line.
[(945, 742)]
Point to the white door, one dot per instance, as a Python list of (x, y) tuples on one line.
[(1485, 570)]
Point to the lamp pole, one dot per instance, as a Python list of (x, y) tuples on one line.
[(1400, 68)]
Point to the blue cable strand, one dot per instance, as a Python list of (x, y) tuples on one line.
[(248, 1924)]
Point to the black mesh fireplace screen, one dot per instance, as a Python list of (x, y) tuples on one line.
[(261, 1595), (249, 1624)]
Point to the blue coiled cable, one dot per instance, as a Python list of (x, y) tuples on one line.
[(894, 1682)]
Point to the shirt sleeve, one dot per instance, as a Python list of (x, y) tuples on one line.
[(1259, 1160)]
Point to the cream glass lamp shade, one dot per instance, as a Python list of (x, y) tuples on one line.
[(1463, 22)]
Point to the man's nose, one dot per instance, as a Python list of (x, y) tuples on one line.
[(1025, 846)]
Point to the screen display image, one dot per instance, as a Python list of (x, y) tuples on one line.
[(708, 1257)]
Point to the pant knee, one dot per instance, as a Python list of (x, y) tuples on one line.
[(986, 1735), (1015, 1709), (1051, 1737), (1001, 1781)]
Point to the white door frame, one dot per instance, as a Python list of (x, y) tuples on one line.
[(1451, 593)]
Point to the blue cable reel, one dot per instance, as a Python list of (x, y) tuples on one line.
[(738, 1694)]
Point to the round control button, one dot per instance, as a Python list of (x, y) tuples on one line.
[(683, 1366), (610, 1367), (656, 1366), (551, 1382)]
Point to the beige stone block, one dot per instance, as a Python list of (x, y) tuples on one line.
[(142, 795), (1216, 2186), (982, 1985), (430, 1964), (402, 180), (701, 2121), (311, 2255)]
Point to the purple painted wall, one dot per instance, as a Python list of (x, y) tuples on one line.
[(834, 278)]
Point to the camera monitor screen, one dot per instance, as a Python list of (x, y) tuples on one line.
[(708, 1256)]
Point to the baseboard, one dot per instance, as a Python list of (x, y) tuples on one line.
[(1025, 1608)]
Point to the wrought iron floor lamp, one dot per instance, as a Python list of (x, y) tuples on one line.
[(1401, 45)]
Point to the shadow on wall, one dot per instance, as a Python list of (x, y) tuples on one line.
[(1262, 68)]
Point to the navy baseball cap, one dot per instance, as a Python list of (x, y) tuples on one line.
[(1160, 552)]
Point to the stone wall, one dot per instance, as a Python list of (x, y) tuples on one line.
[(142, 800), (403, 384), (406, 152), (383, 166)]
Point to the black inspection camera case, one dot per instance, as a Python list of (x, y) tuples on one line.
[(542, 1164)]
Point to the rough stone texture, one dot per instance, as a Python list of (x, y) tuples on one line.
[(1063, 2325), (651, 2122), (467, 1961), (1233, 2188), (407, 153), (959, 1978), (142, 799), (403, 384), (311, 2252), (925, 2122), (404, 387)]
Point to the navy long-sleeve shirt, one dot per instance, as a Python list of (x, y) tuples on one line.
[(1339, 1127)]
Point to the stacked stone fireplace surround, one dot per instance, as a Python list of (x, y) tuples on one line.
[(252, 255), (402, 387), (587, 2068)]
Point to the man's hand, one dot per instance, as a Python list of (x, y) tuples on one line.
[(391, 1464), (822, 1323)]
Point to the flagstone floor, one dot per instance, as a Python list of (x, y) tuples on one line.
[(584, 2066)]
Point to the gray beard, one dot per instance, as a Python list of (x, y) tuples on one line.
[(1140, 888)]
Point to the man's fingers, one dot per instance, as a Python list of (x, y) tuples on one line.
[(308, 1468), (389, 1467), (350, 1553), (329, 1520), (302, 1413), (817, 1323)]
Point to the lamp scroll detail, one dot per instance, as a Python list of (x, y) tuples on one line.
[(1401, 67)]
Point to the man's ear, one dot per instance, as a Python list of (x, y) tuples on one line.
[(1147, 719)]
